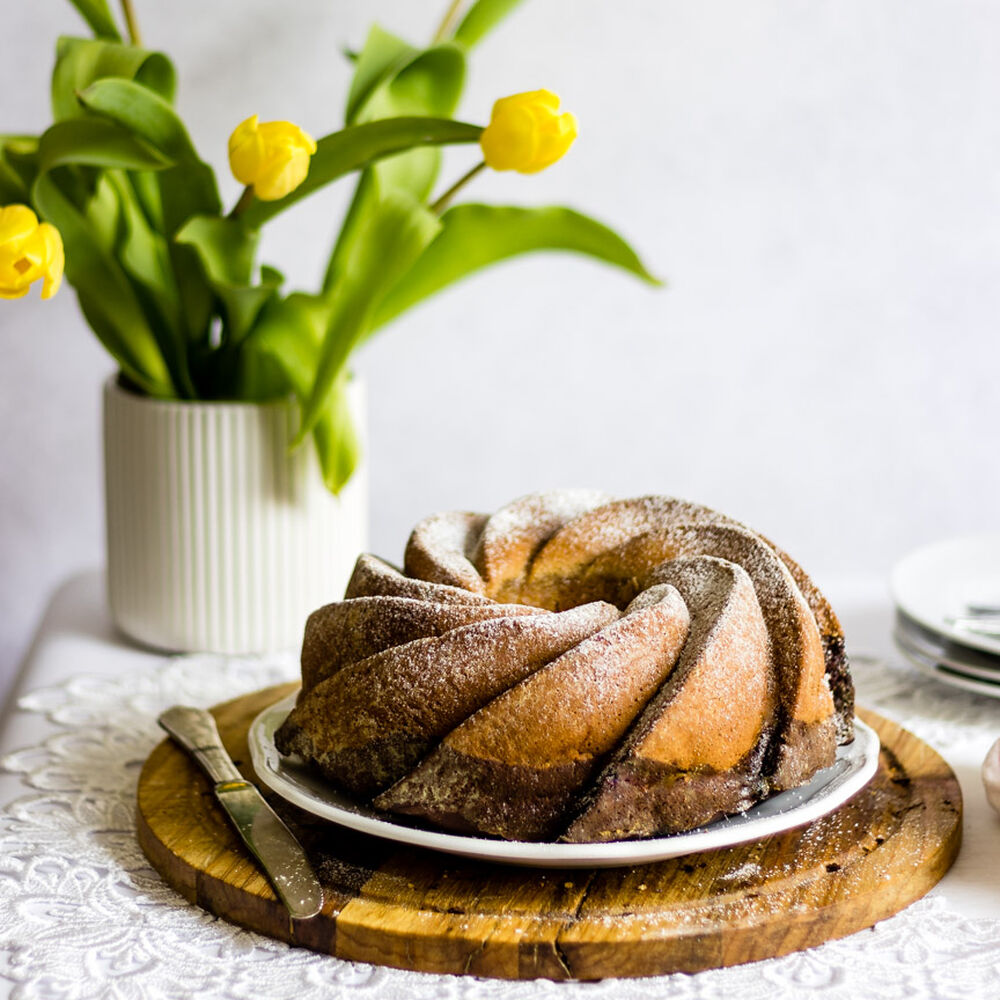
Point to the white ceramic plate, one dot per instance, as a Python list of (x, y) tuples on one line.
[(972, 662), (855, 766), (956, 677), (941, 579)]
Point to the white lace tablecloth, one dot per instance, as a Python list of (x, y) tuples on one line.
[(82, 914)]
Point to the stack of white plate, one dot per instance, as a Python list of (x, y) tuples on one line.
[(948, 611)]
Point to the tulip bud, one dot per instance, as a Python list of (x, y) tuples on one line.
[(272, 157), (526, 132), (29, 250)]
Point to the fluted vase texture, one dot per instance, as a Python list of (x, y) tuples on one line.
[(218, 537)]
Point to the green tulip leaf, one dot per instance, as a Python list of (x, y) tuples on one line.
[(271, 276), (12, 189), (120, 227), (415, 171), (146, 189), (227, 247), (104, 214), (475, 236), (106, 295), (187, 190), (290, 331), (95, 143), (396, 231), (143, 113), (107, 325), (430, 84), (18, 166), (393, 79), (243, 305), (482, 18), (81, 62), (357, 212), (184, 192), (287, 339), (197, 299), (336, 438), (128, 288), (227, 250), (356, 147), (410, 82), (381, 58), (97, 14), (145, 258), (258, 377)]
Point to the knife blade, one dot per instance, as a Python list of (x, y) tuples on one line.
[(269, 840)]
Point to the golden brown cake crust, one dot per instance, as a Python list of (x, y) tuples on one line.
[(374, 577), (547, 732), (370, 722), (697, 749), (511, 537), (348, 631), (610, 525), (630, 566), (440, 550)]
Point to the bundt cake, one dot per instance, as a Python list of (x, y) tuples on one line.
[(573, 667)]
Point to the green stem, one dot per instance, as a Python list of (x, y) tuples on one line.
[(244, 203), (442, 203), (445, 27), (131, 23)]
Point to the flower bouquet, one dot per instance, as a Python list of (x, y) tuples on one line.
[(168, 277)]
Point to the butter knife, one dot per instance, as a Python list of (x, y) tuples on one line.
[(271, 842)]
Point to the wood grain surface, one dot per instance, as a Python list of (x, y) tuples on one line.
[(415, 909)]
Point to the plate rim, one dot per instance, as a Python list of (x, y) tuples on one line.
[(556, 855), (905, 634), (952, 676), (974, 640)]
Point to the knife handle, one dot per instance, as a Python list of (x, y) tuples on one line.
[(195, 730)]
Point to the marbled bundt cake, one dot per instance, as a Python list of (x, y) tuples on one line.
[(574, 667)]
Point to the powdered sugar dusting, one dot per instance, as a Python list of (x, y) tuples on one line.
[(567, 709), (440, 547), (726, 668), (532, 513), (513, 535), (795, 639), (349, 631), (370, 722), (375, 577), (612, 525)]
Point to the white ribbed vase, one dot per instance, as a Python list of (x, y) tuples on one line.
[(218, 538)]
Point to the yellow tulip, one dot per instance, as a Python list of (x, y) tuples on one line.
[(526, 132), (272, 157), (29, 250)]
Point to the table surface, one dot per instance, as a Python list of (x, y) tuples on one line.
[(76, 638)]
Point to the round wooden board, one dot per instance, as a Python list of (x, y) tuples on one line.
[(414, 909)]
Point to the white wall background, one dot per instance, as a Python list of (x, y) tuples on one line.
[(819, 180)]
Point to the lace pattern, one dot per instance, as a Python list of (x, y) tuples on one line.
[(82, 914)]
